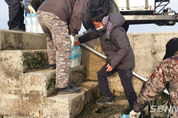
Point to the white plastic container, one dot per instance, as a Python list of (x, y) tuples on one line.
[(28, 23), (32, 24), (39, 29)]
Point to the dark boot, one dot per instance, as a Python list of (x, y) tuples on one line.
[(67, 90), (105, 100), (53, 66)]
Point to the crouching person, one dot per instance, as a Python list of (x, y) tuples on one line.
[(164, 76)]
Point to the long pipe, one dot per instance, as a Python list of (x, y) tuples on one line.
[(103, 56)]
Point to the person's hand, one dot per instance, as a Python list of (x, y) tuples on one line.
[(76, 43), (134, 114), (31, 9), (109, 68)]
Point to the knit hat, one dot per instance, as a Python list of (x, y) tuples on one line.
[(171, 47)]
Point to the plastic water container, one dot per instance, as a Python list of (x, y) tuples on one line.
[(125, 116), (32, 24), (39, 29), (78, 54), (28, 23), (75, 56)]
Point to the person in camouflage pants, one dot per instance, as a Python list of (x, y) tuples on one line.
[(59, 19), (59, 53), (166, 73)]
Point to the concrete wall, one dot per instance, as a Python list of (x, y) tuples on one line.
[(17, 40), (149, 49)]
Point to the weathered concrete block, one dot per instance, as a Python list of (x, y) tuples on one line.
[(14, 62), (77, 75), (92, 91), (30, 90), (9, 104), (16, 116), (35, 105), (43, 80), (31, 104), (17, 40), (70, 104)]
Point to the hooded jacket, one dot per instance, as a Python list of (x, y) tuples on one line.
[(115, 43), (70, 11)]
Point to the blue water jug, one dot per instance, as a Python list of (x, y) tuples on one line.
[(75, 56), (125, 116)]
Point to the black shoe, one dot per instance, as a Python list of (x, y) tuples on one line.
[(53, 66), (66, 90), (105, 100)]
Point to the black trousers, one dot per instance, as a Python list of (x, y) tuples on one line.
[(126, 80), (16, 15)]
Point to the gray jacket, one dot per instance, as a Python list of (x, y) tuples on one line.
[(70, 11), (115, 43)]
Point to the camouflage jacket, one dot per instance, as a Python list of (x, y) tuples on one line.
[(165, 74)]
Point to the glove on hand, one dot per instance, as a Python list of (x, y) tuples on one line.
[(134, 114)]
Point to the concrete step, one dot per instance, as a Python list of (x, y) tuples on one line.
[(35, 105), (106, 111), (44, 80), (14, 62), (9, 103), (17, 40), (29, 91), (70, 105)]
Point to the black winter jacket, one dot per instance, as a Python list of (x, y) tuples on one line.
[(115, 43)]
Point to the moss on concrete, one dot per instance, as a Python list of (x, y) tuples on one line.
[(51, 82), (35, 60)]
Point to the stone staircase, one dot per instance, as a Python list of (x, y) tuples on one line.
[(25, 80)]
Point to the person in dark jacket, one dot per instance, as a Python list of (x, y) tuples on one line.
[(61, 19), (16, 14), (120, 57)]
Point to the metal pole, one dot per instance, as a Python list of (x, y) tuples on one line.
[(103, 56)]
